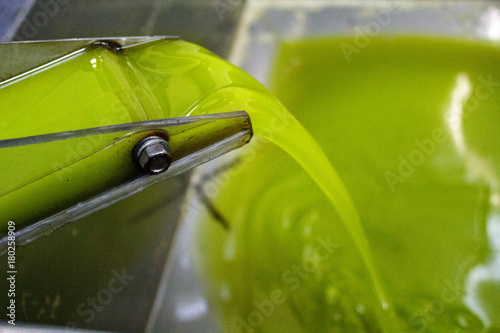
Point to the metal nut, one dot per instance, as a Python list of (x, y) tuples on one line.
[(153, 155)]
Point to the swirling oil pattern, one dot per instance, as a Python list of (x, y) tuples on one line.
[(411, 125), (370, 205), (99, 86), (288, 264)]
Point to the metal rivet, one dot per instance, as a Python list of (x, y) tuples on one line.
[(153, 155)]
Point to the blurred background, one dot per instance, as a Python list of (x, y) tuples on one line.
[(162, 291)]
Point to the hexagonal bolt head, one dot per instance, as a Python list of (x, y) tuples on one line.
[(153, 155)]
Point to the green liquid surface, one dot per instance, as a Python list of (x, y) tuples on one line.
[(403, 242), (411, 126)]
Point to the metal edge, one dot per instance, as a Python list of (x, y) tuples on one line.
[(22, 56), (118, 193), (136, 126)]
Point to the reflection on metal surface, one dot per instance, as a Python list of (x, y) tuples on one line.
[(193, 141), (20, 57), (141, 226), (216, 21)]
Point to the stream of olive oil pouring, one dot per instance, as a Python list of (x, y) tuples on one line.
[(100, 86)]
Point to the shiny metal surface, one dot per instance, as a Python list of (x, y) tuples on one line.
[(175, 126), (22, 56), (74, 263), (153, 155), (235, 130)]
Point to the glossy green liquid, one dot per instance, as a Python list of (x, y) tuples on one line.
[(411, 125), (98, 87)]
